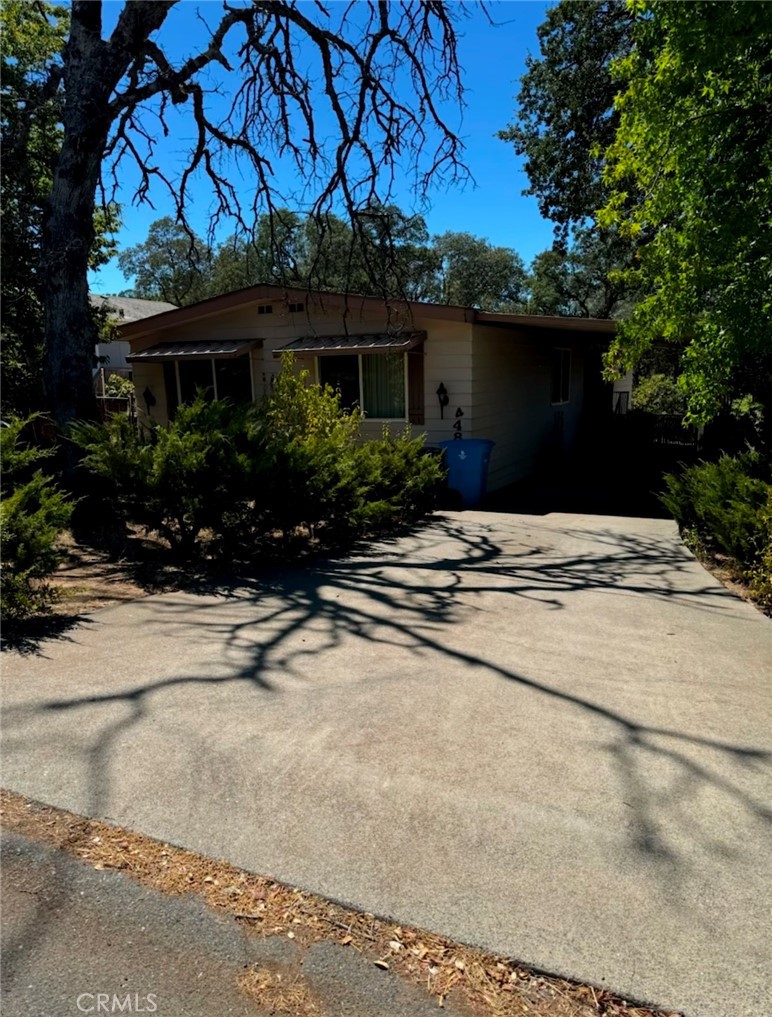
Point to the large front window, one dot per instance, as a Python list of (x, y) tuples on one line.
[(373, 381), (228, 378)]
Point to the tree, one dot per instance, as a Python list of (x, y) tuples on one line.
[(383, 73), (30, 137), (566, 117), (474, 273), (566, 120), (33, 39), (583, 279), (171, 265), (385, 253), (690, 178)]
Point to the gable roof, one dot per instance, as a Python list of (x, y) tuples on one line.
[(423, 309)]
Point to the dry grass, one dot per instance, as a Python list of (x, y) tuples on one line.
[(282, 990), (491, 985)]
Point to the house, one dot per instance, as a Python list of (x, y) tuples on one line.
[(526, 381), (112, 356)]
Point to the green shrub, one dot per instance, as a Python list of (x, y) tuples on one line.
[(311, 446), (322, 474), (118, 387), (32, 514), (176, 480), (658, 393), (726, 507), (401, 480), (295, 466)]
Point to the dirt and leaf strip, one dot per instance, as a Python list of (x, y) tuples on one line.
[(486, 983)]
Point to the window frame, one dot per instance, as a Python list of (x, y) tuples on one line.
[(561, 350), (247, 356), (359, 355)]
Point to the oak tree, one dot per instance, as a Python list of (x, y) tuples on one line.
[(380, 73)]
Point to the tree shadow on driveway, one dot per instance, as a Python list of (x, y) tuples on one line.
[(428, 599)]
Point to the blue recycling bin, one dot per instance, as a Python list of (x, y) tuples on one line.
[(467, 461)]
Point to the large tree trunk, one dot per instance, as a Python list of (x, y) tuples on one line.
[(70, 333), (68, 227)]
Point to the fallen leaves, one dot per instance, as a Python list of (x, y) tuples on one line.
[(492, 985)]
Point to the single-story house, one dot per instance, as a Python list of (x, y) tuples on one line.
[(525, 381)]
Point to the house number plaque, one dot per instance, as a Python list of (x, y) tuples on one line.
[(457, 428)]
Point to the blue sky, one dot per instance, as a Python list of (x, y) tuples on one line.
[(493, 59)]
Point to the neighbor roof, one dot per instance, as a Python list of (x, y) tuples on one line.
[(129, 309)]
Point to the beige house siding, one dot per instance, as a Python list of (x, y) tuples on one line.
[(447, 351), (497, 370), (511, 384), (150, 376)]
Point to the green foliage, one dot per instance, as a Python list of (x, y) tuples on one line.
[(33, 36), (690, 178), (171, 265), (310, 447), (242, 475), (401, 480), (565, 121), (384, 252), (759, 573), (658, 394), (474, 273), (176, 480), (118, 387), (725, 505), (566, 117), (30, 116), (583, 279), (32, 514)]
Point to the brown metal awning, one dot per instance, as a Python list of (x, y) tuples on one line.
[(220, 349), (372, 342)]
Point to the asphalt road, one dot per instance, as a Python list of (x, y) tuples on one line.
[(546, 735), (78, 941)]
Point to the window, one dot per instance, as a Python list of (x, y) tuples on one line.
[(229, 378), (195, 375), (265, 308), (374, 381), (342, 374), (296, 308), (561, 375)]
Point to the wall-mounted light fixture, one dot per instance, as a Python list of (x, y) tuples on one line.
[(149, 398), (444, 398)]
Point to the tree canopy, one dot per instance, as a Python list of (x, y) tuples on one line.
[(31, 136), (582, 278), (383, 75), (689, 175), (565, 108), (389, 253)]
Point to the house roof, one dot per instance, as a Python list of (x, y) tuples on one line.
[(221, 348), (129, 309), (348, 301), (353, 343)]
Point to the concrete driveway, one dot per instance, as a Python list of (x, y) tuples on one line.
[(545, 735)]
